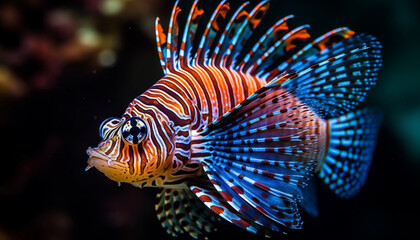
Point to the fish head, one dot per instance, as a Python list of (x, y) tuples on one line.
[(130, 151)]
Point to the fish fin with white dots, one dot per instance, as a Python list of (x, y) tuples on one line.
[(351, 146)]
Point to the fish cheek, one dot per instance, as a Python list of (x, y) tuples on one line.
[(115, 173)]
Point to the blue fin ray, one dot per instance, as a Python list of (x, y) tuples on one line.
[(214, 201), (210, 33), (261, 154), (161, 44), (226, 39), (279, 206), (352, 142), (249, 24), (226, 190), (278, 30), (280, 48), (312, 51), (189, 35), (334, 96)]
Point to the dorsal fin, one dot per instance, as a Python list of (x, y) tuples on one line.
[(228, 34), (280, 47), (309, 52), (273, 34), (172, 39), (334, 81), (211, 31), (223, 39), (190, 33), (161, 44)]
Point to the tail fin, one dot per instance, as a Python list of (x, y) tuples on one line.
[(351, 146)]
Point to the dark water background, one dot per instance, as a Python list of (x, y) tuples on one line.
[(55, 92)]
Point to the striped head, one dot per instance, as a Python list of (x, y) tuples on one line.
[(138, 148)]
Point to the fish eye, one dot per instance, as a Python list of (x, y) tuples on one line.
[(107, 125), (134, 130)]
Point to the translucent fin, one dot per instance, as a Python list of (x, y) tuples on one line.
[(352, 142), (314, 49), (179, 212), (309, 201), (337, 79), (249, 24), (260, 155)]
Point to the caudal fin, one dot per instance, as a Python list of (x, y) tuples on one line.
[(352, 142)]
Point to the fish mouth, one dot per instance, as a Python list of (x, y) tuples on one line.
[(114, 170), (96, 158)]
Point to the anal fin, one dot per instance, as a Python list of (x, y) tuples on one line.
[(180, 212)]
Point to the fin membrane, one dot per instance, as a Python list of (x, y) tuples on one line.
[(180, 212), (336, 80), (214, 201), (309, 201), (352, 142), (226, 34), (260, 155)]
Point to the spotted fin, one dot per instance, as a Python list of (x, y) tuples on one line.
[(331, 74), (261, 154), (214, 201), (335, 80), (352, 142), (180, 212)]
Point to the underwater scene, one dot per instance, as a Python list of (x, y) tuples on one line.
[(209, 119)]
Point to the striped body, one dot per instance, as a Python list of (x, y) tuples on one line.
[(239, 133), (180, 105)]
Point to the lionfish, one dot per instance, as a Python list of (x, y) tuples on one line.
[(240, 127)]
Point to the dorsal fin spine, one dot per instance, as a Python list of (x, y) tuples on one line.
[(201, 56), (172, 38), (241, 34), (262, 60), (160, 35), (186, 44), (286, 79), (285, 64), (215, 56), (251, 55)]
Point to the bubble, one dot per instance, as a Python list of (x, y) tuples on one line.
[(106, 58), (88, 37), (111, 7)]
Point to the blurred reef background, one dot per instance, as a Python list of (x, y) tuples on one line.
[(67, 65)]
